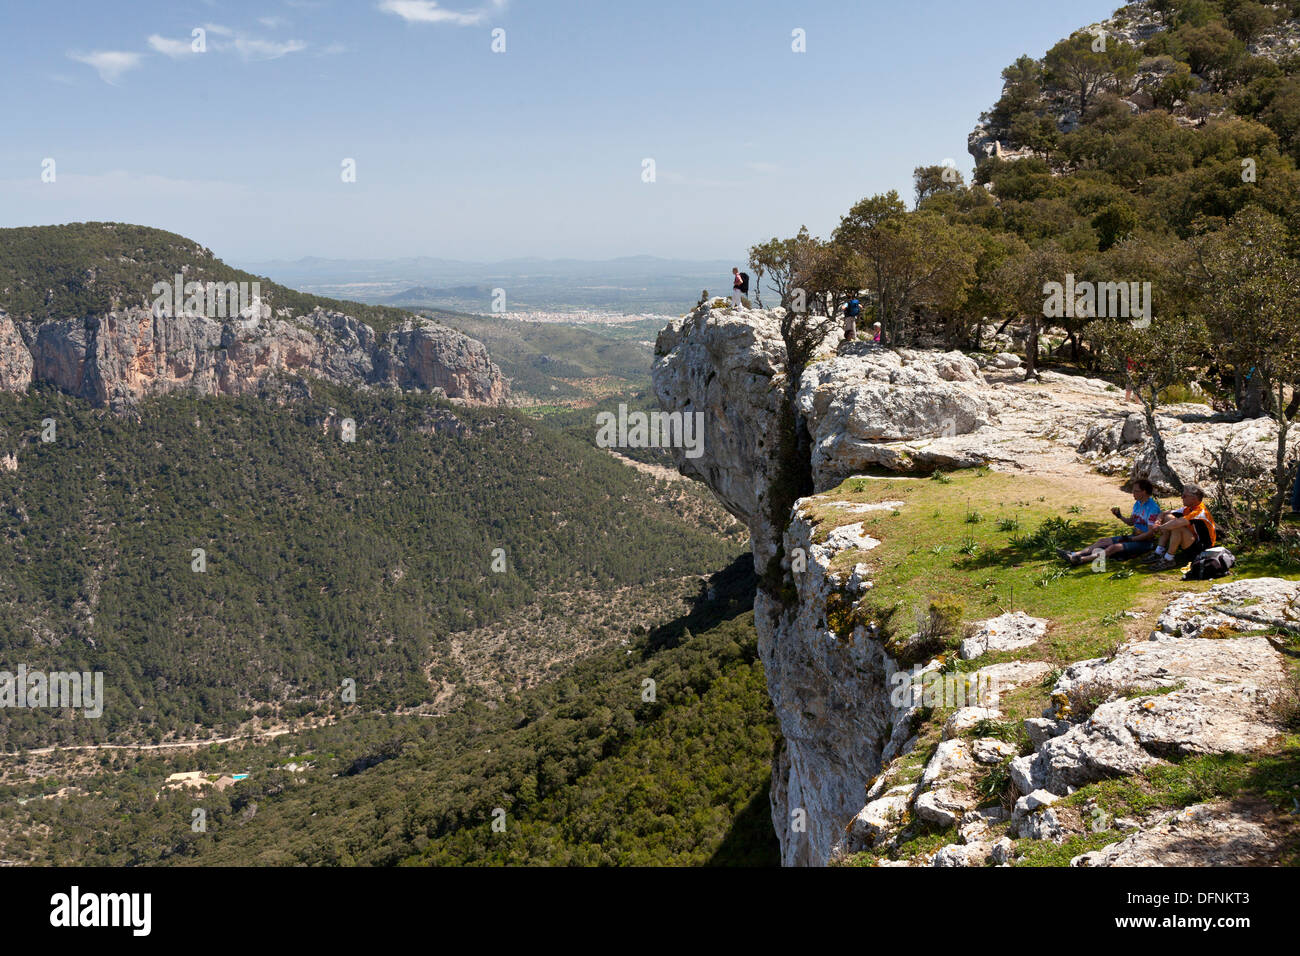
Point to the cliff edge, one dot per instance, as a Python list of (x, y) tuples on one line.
[(864, 770)]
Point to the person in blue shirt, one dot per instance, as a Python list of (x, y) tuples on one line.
[(1145, 510), (851, 313)]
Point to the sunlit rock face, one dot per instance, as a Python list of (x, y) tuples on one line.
[(120, 357)]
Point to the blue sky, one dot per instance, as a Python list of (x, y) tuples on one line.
[(466, 153)]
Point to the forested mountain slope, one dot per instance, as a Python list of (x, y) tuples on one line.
[(324, 559)]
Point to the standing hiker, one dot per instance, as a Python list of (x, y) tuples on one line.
[(1130, 389), (739, 286), (851, 313)]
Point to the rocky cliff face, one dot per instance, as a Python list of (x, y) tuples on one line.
[(731, 369), (839, 784), (120, 357), (871, 407)]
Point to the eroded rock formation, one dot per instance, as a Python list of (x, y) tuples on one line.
[(120, 357)]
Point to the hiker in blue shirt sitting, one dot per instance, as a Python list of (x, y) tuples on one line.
[(1145, 510)]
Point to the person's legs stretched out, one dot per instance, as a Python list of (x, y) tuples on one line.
[(1145, 510), (1090, 552)]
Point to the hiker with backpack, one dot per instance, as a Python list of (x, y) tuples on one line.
[(1145, 511), (1184, 534), (739, 286), (851, 313)]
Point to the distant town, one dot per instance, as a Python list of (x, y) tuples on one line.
[(577, 317)]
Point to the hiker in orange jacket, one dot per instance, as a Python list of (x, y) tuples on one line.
[(1185, 533)]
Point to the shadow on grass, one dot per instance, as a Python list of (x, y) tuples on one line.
[(751, 840), (1012, 556)]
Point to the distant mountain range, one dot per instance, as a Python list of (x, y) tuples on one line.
[(430, 268), (626, 284)]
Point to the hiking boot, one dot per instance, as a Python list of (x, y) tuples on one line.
[(1070, 558)]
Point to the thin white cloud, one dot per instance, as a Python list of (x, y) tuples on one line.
[(249, 46), (255, 48), (110, 64), (427, 11), (169, 47)]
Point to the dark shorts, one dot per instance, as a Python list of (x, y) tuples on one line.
[(1131, 547)]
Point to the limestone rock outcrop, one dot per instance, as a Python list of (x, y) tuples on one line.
[(847, 778), (1202, 696), (1197, 442), (1006, 632), (1208, 834), (1201, 684), (885, 408), (121, 357), (15, 359)]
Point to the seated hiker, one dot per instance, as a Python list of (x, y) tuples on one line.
[(1185, 533), (1145, 510)]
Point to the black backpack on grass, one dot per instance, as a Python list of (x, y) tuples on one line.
[(1210, 563)]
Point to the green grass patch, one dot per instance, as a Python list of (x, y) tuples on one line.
[(922, 556)]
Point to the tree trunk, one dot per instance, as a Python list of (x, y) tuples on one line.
[(1158, 441), (1249, 394), (1285, 475), (1031, 349)]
